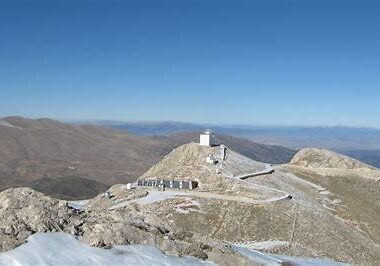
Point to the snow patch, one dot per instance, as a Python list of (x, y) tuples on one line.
[(187, 206), (264, 245), (79, 205), (336, 201), (272, 259), (318, 188), (7, 124), (152, 197), (156, 196), (64, 249)]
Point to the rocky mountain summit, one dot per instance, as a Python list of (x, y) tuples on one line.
[(321, 158), (240, 207), (328, 163)]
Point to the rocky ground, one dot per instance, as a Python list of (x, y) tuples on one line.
[(323, 218), (24, 212)]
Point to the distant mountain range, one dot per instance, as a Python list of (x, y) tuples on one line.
[(79, 161), (360, 143)]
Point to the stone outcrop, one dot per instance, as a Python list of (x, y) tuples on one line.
[(24, 212)]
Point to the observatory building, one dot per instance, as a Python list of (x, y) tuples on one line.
[(207, 138)]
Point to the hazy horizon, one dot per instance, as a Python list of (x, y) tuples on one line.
[(80, 121), (285, 63)]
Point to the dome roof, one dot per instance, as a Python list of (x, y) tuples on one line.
[(209, 132)]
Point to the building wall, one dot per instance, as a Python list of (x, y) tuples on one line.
[(207, 140), (179, 184), (204, 140)]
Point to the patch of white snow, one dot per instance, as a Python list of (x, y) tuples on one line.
[(156, 196), (188, 205), (7, 124), (272, 259), (265, 245), (152, 197), (78, 205), (61, 249)]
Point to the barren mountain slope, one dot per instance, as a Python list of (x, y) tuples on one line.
[(320, 158), (353, 185), (328, 163), (77, 161), (86, 148), (34, 149), (320, 220)]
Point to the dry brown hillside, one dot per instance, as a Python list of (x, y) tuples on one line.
[(78, 161), (34, 149), (352, 186)]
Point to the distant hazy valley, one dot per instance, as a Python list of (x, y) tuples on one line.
[(360, 143)]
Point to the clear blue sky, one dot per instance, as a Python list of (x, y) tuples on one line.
[(227, 62)]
